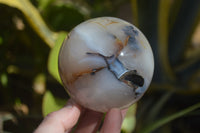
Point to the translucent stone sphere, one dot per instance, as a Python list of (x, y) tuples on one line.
[(106, 63)]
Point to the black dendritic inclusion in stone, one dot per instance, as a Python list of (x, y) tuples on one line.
[(117, 68), (135, 79)]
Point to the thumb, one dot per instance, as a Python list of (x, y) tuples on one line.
[(62, 120)]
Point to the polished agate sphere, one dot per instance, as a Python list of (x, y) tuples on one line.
[(106, 63)]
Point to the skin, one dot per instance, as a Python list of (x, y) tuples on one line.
[(63, 120)]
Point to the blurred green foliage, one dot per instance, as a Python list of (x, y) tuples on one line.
[(32, 31)]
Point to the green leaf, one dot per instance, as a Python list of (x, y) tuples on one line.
[(34, 18), (63, 16), (51, 103), (167, 119), (163, 34), (129, 122), (53, 57), (174, 11), (157, 107), (43, 4), (134, 8)]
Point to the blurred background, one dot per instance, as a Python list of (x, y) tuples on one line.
[(32, 31)]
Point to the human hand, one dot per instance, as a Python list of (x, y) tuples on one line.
[(63, 120)]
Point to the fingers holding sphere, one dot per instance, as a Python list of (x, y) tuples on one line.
[(113, 121)]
